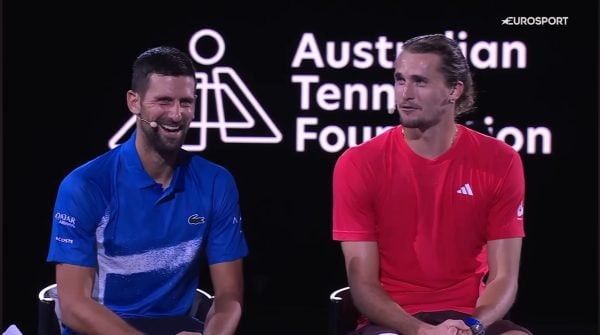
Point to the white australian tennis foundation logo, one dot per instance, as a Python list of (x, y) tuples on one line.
[(535, 20), (224, 103), (227, 111)]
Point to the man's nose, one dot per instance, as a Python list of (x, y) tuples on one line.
[(175, 112), (408, 91)]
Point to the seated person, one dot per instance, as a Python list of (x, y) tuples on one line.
[(130, 225), (425, 210)]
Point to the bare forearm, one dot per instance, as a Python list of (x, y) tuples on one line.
[(223, 317), (92, 318), (362, 270), (496, 300), (377, 305)]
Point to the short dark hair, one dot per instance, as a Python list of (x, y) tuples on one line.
[(163, 60), (454, 66)]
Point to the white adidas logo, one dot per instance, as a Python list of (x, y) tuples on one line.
[(465, 189)]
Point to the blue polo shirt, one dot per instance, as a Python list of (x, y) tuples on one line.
[(145, 242)]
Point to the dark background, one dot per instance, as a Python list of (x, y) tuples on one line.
[(66, 68)]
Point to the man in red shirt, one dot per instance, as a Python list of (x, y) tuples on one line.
[(427, 209)]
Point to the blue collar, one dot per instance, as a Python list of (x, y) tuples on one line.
[(139, 177)]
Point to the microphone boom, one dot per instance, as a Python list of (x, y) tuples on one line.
[(152, 124)]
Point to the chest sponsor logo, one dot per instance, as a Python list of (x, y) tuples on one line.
[(196, 219)]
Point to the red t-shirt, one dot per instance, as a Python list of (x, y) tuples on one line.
[(431, 218)]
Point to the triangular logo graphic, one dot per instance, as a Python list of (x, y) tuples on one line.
[(224, 103)]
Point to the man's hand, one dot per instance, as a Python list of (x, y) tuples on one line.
[(448, 327)]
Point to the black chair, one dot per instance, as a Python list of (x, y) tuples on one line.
[(202, 303), (49, 317), (48, 312), (343, 315)]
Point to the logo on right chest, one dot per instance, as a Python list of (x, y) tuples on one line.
[(196, 219)]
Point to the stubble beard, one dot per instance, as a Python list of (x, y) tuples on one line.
[(412, 123), (165, 146), (421, 122)]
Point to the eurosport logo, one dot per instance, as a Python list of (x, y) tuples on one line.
[(535, 21)]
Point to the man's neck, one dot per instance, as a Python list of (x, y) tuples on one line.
[(159, 167), (431, 143)]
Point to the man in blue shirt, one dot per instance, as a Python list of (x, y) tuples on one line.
[(129, 226)]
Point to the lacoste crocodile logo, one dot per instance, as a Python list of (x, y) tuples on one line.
[(195, 219)]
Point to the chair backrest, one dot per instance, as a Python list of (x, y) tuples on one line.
[(343, 315), (202, 303), (49, 317), (48, 311)]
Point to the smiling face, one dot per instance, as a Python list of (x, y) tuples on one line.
[(423, 97), (168, 101)]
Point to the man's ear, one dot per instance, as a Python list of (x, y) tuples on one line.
[(456, 91), (133, 102)]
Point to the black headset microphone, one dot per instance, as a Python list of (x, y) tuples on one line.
[(152, 124)]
